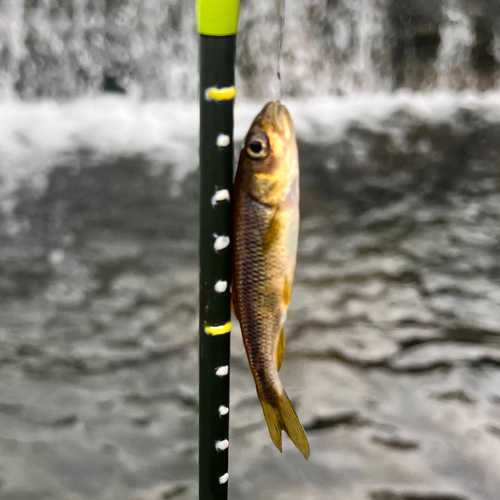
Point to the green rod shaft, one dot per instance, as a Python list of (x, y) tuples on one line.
[(217, 54)]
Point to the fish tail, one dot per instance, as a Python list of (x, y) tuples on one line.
[(282, 416)]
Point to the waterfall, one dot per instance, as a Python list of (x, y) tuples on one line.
[(148, 48), (457, 39)]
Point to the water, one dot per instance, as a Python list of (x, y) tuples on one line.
[(148, 48), (393, 333), (393, 347)]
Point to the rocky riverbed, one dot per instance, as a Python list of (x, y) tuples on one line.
[(393, 355)]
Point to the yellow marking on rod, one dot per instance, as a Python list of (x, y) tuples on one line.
[(222, 94), (218, 330)]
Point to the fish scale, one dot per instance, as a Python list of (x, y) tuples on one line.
[(258, 315)]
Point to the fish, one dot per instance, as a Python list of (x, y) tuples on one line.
[(265, 242)]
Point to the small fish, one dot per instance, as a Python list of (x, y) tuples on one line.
[(265, 239)]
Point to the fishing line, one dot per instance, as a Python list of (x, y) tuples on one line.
[(280, 46)]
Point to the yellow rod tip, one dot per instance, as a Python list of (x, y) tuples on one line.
[(217, 17), (218, 330)]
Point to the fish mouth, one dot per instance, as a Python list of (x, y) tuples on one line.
[(279, 117)]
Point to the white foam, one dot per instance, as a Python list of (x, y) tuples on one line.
[(326, 119), (36, 137)]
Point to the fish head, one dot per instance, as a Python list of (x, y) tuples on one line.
[(269, 157)]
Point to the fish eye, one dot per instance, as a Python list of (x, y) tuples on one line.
[(257, 147)]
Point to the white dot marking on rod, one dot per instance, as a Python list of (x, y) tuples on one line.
[(222, 445), (221, 242), (220, 286), (223, 140), (220, 195), (223, 410), (222, 371), (224, 478)]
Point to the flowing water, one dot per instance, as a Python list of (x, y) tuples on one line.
[(148, 48), (393, 336)]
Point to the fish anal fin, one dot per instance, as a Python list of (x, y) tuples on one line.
[(282, 416), (280, 352)]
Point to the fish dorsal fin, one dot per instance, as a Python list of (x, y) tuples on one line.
[(280, 352)]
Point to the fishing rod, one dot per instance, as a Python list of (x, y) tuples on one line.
[(217, 22)]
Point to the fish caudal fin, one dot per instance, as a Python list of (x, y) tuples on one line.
[(283, 417)]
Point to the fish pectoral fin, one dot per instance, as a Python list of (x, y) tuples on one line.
[(287, 292), (283, 417), (272, 231), (287, 296), (280, 352)]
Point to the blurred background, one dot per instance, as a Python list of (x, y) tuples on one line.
[(393, 355)]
